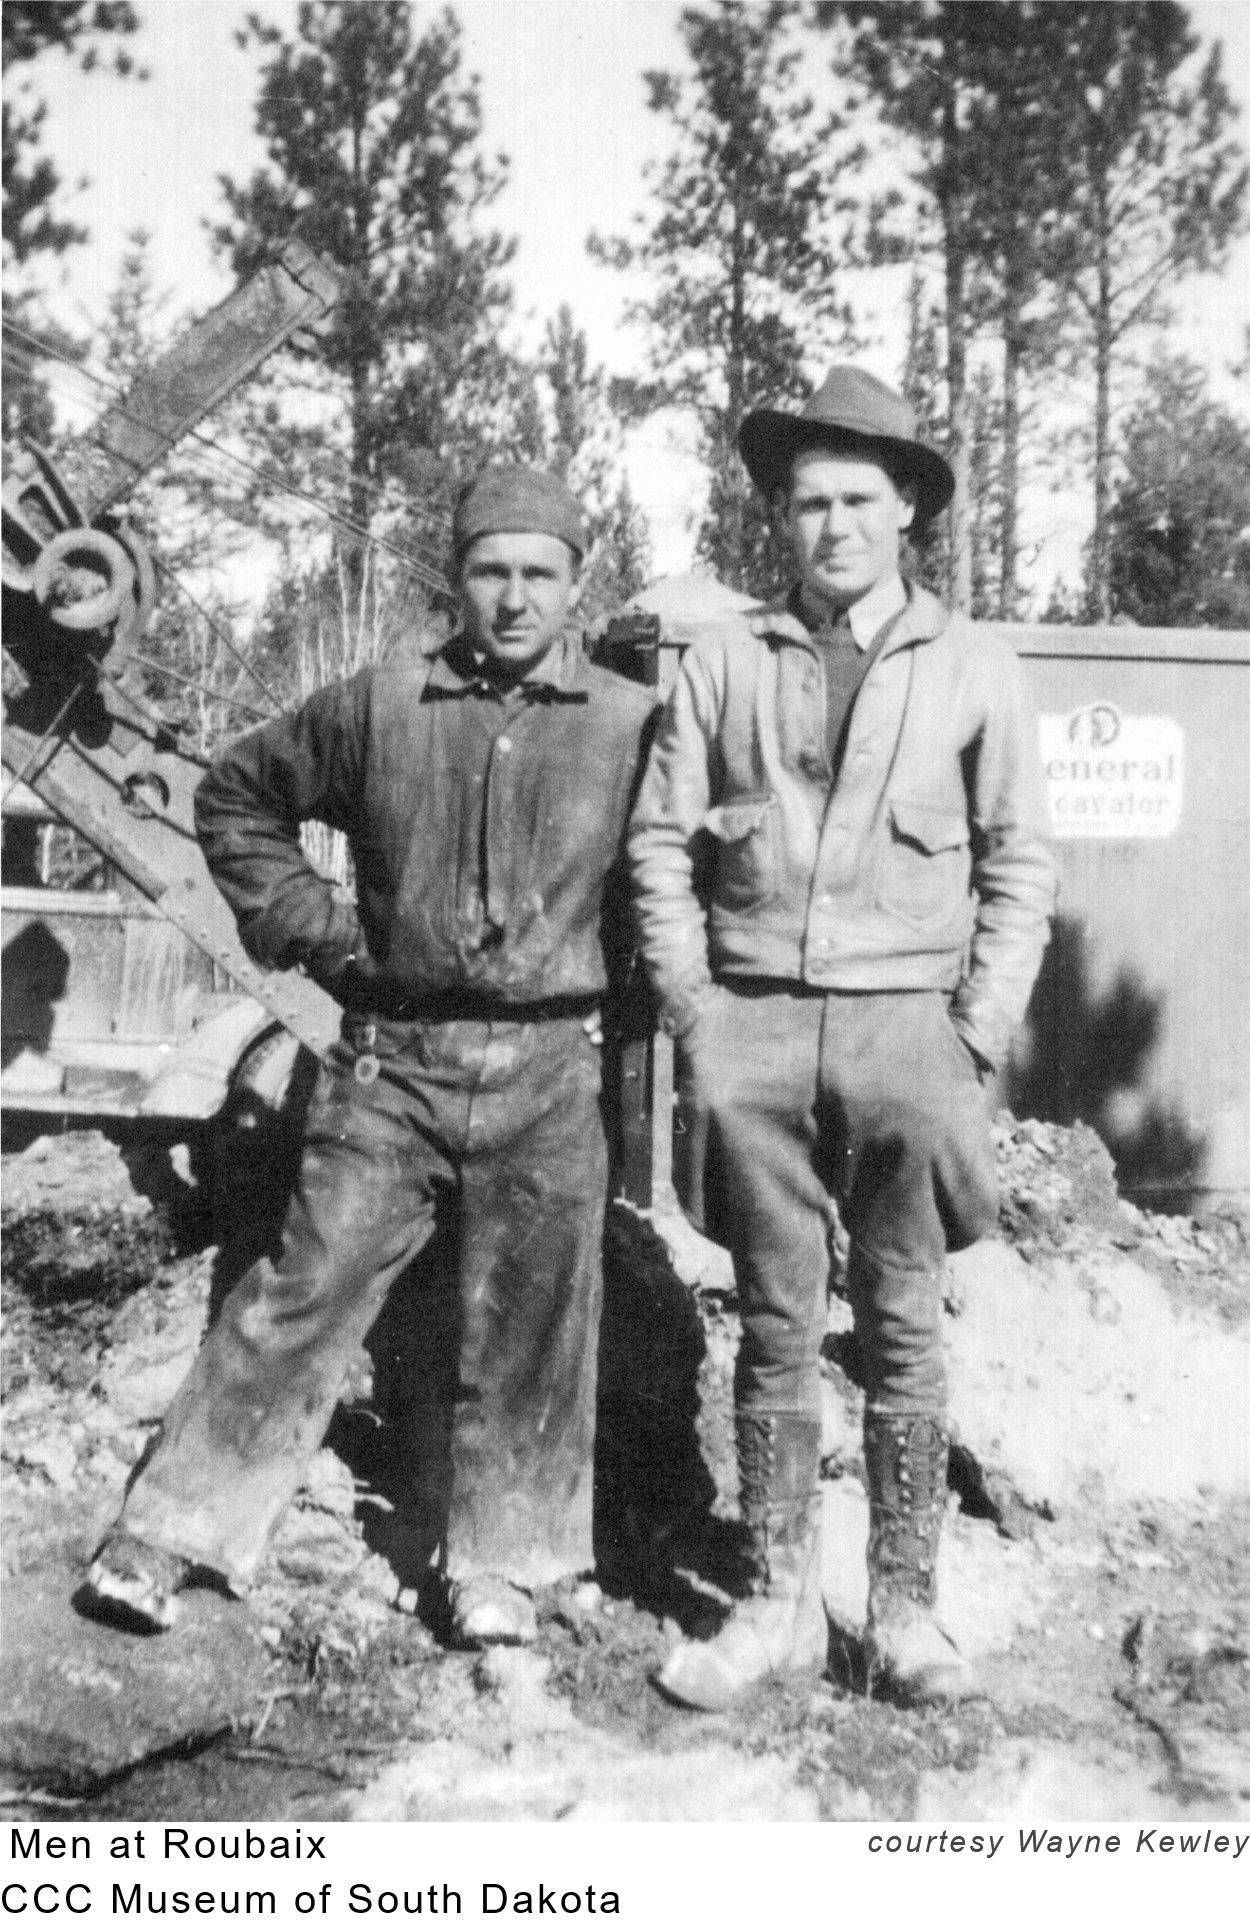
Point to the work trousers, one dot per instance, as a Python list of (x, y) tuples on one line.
[(495, 1126), (797, 1106)]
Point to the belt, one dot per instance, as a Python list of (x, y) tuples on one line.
[(754, 987), (471, 1007)]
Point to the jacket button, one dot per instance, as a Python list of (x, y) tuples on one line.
[(504, 744), (367, 1069)]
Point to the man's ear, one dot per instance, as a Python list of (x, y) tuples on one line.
[(906, 506), (579, 581)]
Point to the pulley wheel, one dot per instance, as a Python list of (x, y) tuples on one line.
[(84, 549), (145, 575)]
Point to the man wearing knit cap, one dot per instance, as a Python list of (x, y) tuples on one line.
[(844, 886), (484, 795)]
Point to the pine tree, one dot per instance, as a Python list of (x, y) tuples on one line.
[(374, 140), (738, 242), (35, 223), (1161, 193), (1178, 547), (987, 487), (32, 182), (573, 430), (924, 390), (975, 90), (1019, 163), (920, 69), (620, 565)]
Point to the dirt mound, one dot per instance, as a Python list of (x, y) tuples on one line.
[(66, 1276), (1079, 1378), (1056, 1185), (1096, 1352), (81, 1169), (1058, 1199), (1098, 1357)]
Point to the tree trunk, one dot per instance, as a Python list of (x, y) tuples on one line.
[(959, 582), (352, 543), (735, 372), (359, 489), (1099, 582), (1012, 354)]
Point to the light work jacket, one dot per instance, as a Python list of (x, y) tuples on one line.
[(927, 863)]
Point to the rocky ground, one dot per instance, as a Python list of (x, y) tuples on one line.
[(1093, 1564)]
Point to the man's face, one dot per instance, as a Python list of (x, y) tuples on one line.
[(845, 520), (516, 593)]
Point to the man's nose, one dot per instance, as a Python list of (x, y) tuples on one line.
[(837, 520), (513, 592)]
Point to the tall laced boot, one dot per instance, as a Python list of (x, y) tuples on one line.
[(779, 1629), (906, 1459)]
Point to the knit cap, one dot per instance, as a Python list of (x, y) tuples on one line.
[(517, 500)]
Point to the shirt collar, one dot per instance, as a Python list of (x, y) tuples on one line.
[(456, 671), (869, 614)]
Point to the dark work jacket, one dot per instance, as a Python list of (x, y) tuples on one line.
[(485, 830)]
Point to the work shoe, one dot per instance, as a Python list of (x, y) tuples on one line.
[(488, 1611), (134, 1585), (913, 1656), (907, 1649), (780, 1628)]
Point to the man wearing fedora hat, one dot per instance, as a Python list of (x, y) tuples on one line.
[(843, 885), (484, 793)]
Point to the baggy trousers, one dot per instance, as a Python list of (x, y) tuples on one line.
[(499, 1123), (798, 1105)]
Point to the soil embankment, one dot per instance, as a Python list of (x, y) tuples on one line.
[(1094, 1561)]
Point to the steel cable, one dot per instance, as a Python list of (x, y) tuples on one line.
[(423, 571)]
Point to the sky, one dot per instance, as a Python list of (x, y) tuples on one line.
[(563, 97)]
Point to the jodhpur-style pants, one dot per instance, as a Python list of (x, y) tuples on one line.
[(800, 1105), (498, 1125)]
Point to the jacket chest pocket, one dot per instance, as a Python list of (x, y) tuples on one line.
[(746, 851), (925, 862)]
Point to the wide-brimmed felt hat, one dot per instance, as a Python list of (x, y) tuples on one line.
[(850, 412)]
